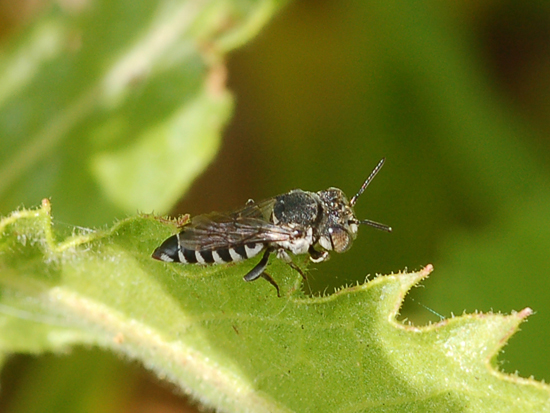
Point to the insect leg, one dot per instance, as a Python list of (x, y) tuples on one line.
[(317, 256), (282, 254), (258, 271), (267, 277)]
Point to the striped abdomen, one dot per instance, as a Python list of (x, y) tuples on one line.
[(171, 250)]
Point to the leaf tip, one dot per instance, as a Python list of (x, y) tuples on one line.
[(427, 270), (526, 312), (409, 279), (46, 206)]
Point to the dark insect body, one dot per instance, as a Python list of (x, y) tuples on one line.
[(299, 222)]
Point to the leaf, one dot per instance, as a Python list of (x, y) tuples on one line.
[(112, 106), (236, 346)]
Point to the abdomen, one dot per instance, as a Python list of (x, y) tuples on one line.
[(172, 250)]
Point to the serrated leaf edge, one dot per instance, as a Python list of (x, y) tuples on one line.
[(242, 393)]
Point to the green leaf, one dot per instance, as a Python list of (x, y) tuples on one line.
[(237, 346), (109, 107)]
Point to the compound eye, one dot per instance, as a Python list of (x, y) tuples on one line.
[(340, 238)]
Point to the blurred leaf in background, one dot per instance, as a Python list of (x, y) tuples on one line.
[(108, 107), (454, 95)]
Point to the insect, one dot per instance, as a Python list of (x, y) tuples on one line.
[(299, 222)]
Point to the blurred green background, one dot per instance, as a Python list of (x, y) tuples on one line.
[(455, 95)]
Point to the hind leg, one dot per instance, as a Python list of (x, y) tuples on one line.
[(258, 271)]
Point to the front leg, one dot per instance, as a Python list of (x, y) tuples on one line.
[(317, 256)]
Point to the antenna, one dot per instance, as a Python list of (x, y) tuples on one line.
[(367, 182), (376, 225)]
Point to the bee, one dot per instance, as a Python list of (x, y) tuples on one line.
[(298, 222)]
